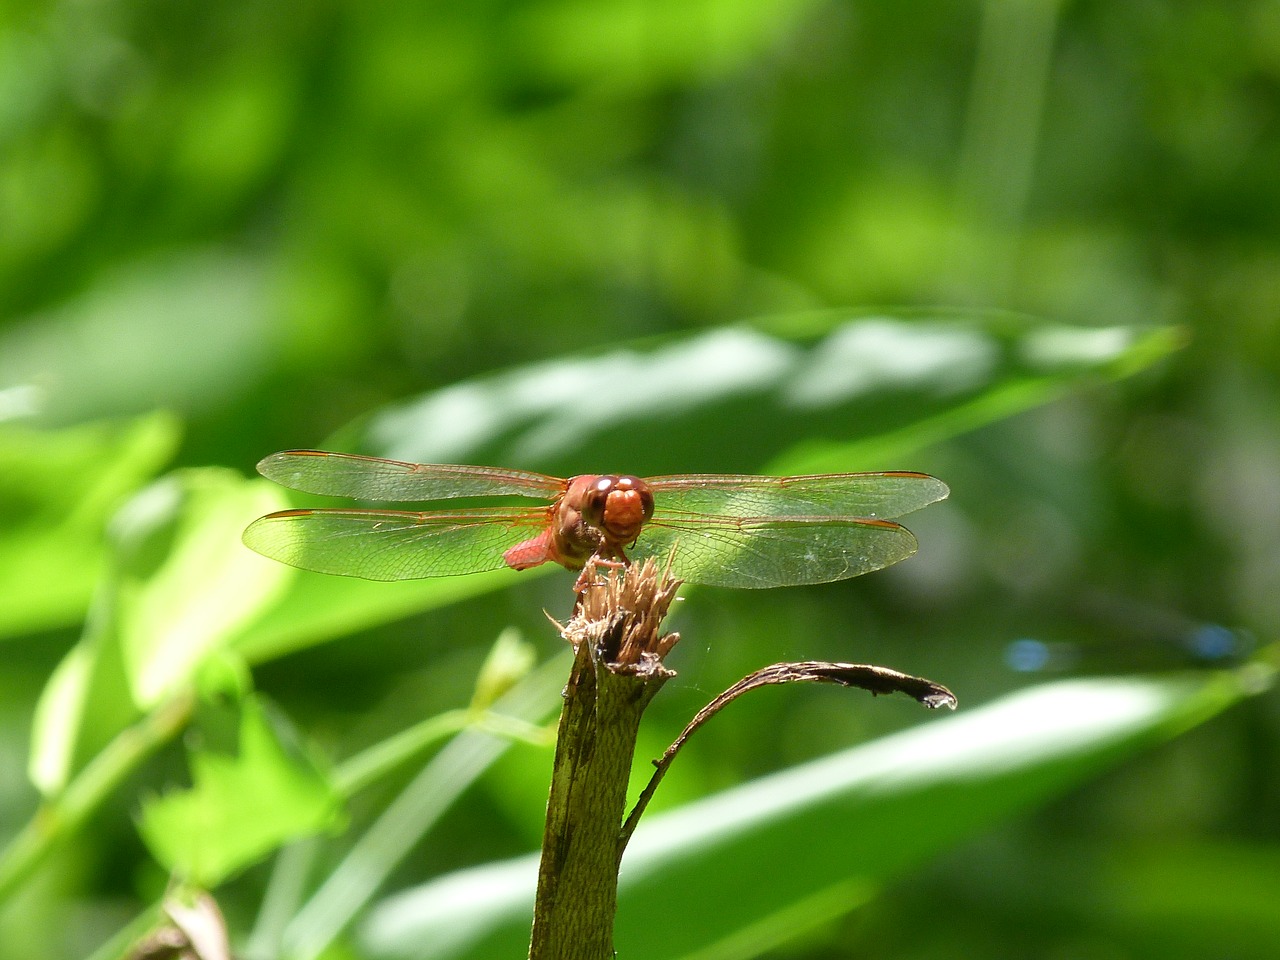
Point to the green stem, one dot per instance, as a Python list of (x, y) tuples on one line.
[(369, 765), (365, 767)]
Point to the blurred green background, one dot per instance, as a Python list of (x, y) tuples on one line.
[(272, 220)]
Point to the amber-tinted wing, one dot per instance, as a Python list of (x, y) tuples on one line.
[(746, 531), (371, 478), (392, 544), (757, 552), (872, 496)]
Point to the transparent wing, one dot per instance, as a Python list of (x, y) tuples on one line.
[(881, 496), (774, 552), (371, 478), (391, 544)]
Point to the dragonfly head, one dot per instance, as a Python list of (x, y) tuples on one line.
[(617, 506)]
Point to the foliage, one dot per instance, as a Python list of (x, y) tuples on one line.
[(240, 808), (572, 236), (837, 828)]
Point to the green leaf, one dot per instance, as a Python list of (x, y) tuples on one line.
[(184, 582), (319, 607), (58, 716), (764, 390), (509, 661), (180, 586), (1217, 893), (57, 490), (1032, 362), (239, 807), (828, 833), (824, 391), (185, 329), (641, 45)]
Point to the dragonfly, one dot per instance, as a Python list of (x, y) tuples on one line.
[(719, 530)]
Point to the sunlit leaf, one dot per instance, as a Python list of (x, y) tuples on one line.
[(57, 489), (57, 720), (179, 586), (637, 45), (184, 582), (765, 391), (183, 331), (349, 888), (318, 607), (239, 807), (510, 659)]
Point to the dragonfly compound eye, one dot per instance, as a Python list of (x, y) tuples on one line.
[(595, 501), (628, 507)]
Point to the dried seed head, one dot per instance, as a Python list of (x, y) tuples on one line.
[(619, 613)]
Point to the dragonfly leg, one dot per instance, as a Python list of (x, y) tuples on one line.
[(596, 562)]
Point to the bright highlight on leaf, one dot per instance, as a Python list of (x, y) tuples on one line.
[(57, 490), (184, 586)]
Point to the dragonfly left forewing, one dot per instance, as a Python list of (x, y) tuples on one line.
[(877, 496), (748, 553), (372, 478)]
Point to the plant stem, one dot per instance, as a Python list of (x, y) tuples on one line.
[(617, 669), (578, 876)]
